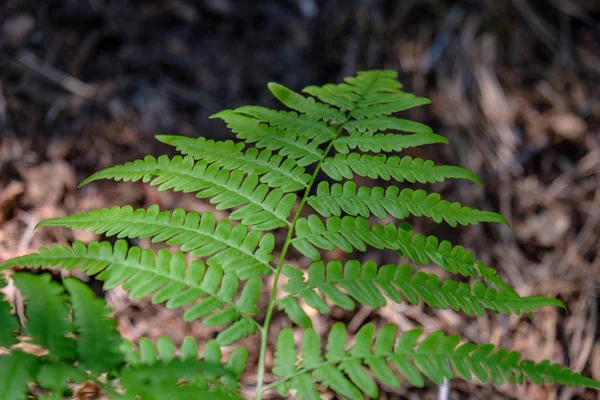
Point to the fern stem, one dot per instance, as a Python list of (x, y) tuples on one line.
[(286, 245)]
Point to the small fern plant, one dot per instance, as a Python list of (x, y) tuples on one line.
[(269, 181)]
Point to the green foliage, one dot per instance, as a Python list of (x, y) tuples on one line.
[(217, 275), (351, 372), (77, 341), (74, 337)]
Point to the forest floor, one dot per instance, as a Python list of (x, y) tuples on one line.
[(515, 87)]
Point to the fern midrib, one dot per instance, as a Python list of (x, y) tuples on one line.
[(183, 229), (288, 242), (155, 272)]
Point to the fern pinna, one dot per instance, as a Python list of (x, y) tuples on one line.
[(267, 181)]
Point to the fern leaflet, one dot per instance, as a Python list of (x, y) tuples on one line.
[(384, 142), (386, 168), (383, 123), (287, 143), (232, 248), (43, 298), (17, 369), (438, 356), (299, 125), (351, 233), (370, 285), (275, 170), (305, 105), (98, 340), (262, 208), (222, 381), (365, 201)]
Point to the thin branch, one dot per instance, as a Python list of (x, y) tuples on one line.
[(69, 83)]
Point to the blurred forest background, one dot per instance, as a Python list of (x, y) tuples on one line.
[(515, 87)]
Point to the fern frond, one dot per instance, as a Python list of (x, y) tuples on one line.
[(332, 200), (165, 275), (369, 284), (384, 142), (233, 248), (351, 373), (286, 142), (9, 323), (305, 105), (17, 369), (262, 208), (47, 312), (382, 123), (298, 124), (399, 168), (275, 170), (97, 337)]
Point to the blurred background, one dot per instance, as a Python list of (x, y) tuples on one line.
[(515, 86)]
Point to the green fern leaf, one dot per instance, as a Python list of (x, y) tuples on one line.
[(286, 354), (351, 233), (375, 201), (382, 123), (17, 369), (223, 382), (57, 376), (368, 88), (275, 170), (98, 340), (351, 373), (286, 142), (9, 324), (305, 105), (154, 380), (232, 248), (370, 285), (384, 142), (375, 106), (48, 316), (340, 97), (299, 125), (374, 82), (262, 208), (386, 168), (165, 275), (286, 359)]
